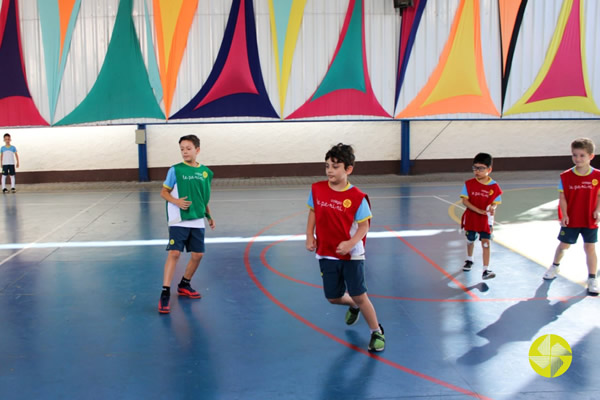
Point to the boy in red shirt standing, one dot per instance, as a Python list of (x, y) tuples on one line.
[(579, 210), (339, 215), (480, 196)]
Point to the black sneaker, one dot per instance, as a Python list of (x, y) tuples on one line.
[(5, 190), (488, 274), (163, 304), (468, 265), (13, 190), (352, 315), (377, 342)]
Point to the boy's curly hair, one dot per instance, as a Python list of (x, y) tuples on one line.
[(341, 153)]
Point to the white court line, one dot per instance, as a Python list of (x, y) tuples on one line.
[(220, 240), (33, 244)]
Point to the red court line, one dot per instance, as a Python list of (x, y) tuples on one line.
[(430, 261), (263, 258), (393, 364)]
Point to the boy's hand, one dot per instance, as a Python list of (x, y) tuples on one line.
[(564, 221), (491, 209), (311, 243), (183, 203), (344, 248), (211, 223)]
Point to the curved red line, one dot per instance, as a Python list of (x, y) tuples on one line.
[(393, 364)]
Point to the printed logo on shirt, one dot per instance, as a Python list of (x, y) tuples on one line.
[(594, 182), (171, 242), (347, 203), (205, 174), (491, 192)]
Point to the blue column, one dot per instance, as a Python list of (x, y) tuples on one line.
[(405, 148), (142, 154)]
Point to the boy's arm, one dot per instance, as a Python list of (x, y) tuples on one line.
[(182, 203), (597, 210), (471, 207), (347, 245), (17, 158), (311, 242), (209, 218), (562, 203)]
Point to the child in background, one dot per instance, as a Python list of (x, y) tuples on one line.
[(9, 160), (480, 196), (579, 210)]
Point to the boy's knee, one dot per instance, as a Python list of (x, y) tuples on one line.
[(360, 299), (485, 243), (174, 254), (337, 300), (197, 256)]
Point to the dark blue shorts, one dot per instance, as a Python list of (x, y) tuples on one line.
[(570, 235), (192, 239), (472, 235), (8, 169), (341, 274)]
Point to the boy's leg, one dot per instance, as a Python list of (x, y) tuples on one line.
[(170, 263), (590, 237), (12, 182), (591, 258), (165, 295), (471, 236), (3, 182), (552, 271), (185, 288), (368, 311), (192, 265)]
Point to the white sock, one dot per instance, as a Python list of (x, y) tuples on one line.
[(12, 181), (485, 267), (469, 258), (3, 181)]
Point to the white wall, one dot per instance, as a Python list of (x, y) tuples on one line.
[(113, 147)]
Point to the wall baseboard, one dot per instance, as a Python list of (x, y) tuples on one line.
[(418, 167)]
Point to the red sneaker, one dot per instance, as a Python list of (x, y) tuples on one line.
[(188, 291), (163, 305)]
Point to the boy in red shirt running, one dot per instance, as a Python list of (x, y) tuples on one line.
[(579, 210), (339, 215), (481, 196)]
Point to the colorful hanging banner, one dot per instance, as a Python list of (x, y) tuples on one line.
[(562, 83), (457, 84), (122, 89), (511, 17), (235, 85), (16, 105), (286, 19), (173, 20), (346, 88), (57, 19)]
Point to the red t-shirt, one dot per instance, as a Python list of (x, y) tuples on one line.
[(481, 196), (334, 215), (581, 193)]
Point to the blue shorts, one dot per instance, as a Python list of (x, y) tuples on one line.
[(341, 274), (570, 235), (8, 169), (192, 239), (472, 235)]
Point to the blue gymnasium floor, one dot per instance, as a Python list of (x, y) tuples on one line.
[(81, 271)]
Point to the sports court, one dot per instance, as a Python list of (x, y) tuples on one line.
[(81, 270)]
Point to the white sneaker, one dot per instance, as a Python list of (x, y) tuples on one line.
[(551, 273), (593, 286)]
